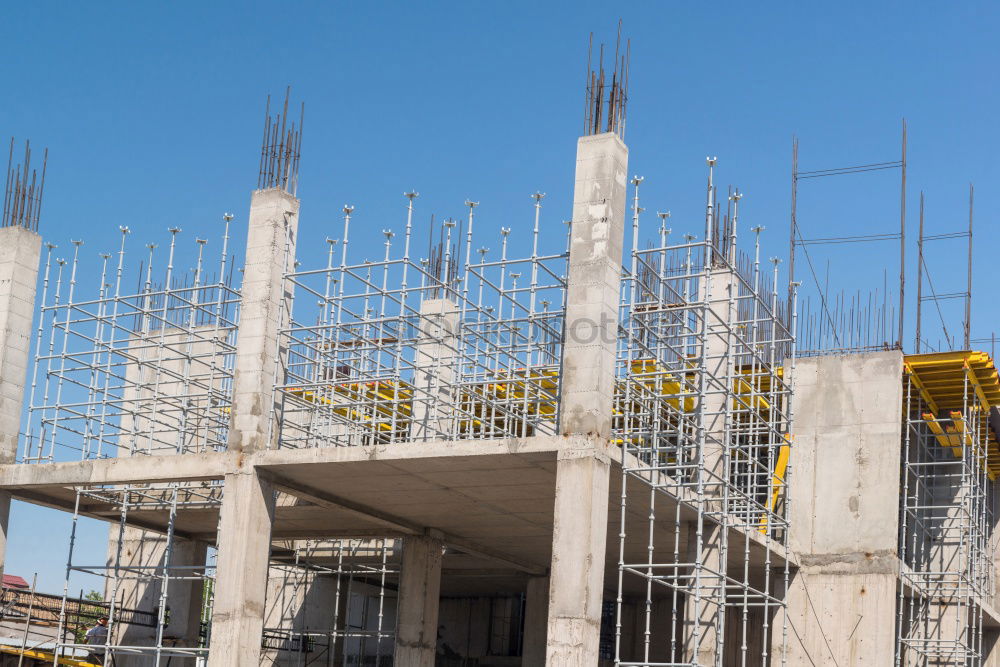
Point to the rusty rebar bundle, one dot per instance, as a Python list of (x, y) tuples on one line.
[(606, 101), (280, 149), (22, 195)]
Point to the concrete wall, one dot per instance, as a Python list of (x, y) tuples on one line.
[(844, 510)]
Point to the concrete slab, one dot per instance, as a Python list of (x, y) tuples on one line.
[(494, 497)]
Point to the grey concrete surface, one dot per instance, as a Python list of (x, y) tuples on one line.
[(592, 293), (536, 614), (248, 502), (419, 597), (844, 510), (271, 237), (19, 254)]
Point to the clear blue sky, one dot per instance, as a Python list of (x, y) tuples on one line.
[(153, 111)]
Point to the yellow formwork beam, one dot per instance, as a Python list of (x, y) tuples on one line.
[(777, 482), (964, 383), (47, 657), (945, 439)]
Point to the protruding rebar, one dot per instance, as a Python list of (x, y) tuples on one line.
[(280, 149), (23, 189)]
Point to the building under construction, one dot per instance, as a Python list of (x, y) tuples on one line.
[(608, 451)]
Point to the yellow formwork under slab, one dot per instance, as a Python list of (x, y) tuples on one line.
[(46, 657), (940, 379)]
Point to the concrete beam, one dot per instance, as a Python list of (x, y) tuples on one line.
[(122, 470), (324, 499), (433, 449)]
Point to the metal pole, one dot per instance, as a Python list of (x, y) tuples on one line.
[(968, 292), (902, 238), (27, 621), (920, 273), (794, 221)]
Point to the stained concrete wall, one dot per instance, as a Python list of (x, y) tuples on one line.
[(19, 254), (844, 510)]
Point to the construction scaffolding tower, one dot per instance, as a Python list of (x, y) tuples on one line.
[(155, 584), (123, 372), (400, 349), (332, 602), (703, 419), (950, 463)]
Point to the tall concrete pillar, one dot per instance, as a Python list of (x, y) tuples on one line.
[(271, 237), (247, 511), (241, 570), (417, 607), (536, 614), (434, 375), (19, 254), (844, 511), (587, 381)]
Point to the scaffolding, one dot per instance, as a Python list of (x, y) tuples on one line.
[(402, 349), (333, 602), (156, 584), (950, 463), (123, 372), (703, 416)]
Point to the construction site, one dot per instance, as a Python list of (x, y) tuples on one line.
[(636, 445)]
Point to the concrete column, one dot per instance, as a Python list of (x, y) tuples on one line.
[(19, 254), (419, 596), (579, 542), (247, 513), (435, 372), (241, 570), (587, 381), (844, 511), (274, 217), (536, 614)]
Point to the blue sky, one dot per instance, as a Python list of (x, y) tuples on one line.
[(152, 113)]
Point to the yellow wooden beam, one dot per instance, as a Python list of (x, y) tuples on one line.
[(924, 395), (943, 438)]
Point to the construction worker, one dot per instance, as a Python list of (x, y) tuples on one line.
[(97, 636)]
